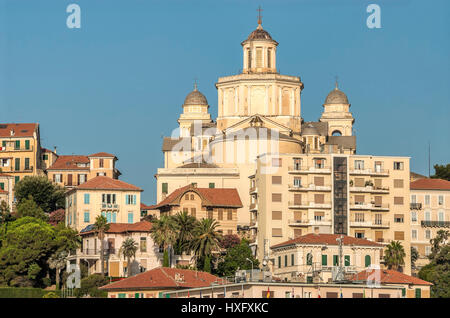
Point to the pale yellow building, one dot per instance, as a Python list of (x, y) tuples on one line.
[(429, 213), (20, 150), (72, 170), (7, 189), (117, 200)]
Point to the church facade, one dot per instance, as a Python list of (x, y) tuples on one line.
[(293, 176)]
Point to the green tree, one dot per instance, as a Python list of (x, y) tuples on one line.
[(438, 273), (5, 213), (207, 264), (66, 239), (128, 250), (185, 224), (441, 172), (27, 207), (89, 286), (206, 240), (394, 256), (437, 242), (164, 233), (48, 196), (26, 247), (236, 258), (100, 227)]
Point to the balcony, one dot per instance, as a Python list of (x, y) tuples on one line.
[(370, 172), (415, 206), (253, 207), (309, 205), (311, 187), (14, 149), (96, 252), (253, 224), (299, 222), (370, 224), (109, 206), (253, 190), (302, 169), (369, 189), (435, 223), (369, 206)]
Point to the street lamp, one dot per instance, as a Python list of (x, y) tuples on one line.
[(251, 273)]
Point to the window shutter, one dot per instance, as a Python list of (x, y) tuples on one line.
[(324, 260)]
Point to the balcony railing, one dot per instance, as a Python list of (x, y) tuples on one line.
[(110, 206), (253, 207), (303, 169), (370, 224), (311, 204), (435, 223), (8, 149), (253, 190), (96, 251), (369, 189), (374, 172), (368, 206), (311, 187), (415, 206)]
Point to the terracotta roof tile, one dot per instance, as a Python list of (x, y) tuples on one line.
[(430, 184), (142, 226), (70, 162), (164, 278), (102, 154), (327, 239), (107, 183), (20, 130), (223, 197), (388, 276)]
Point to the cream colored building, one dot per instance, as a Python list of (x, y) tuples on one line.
[(429, 213), (315, 258), (259, 122), (7, 189), (118, 201), (147, 256)]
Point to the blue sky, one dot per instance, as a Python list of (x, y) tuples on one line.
[(118, 83)]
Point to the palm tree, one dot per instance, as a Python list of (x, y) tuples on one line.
[(57, 261), (128, 250), (101, 226), (164, 233), (185, 224), (394, 256), (206, 240)]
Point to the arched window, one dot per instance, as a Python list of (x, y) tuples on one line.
[(309, 259), (367, 261), (249, 58), (336, 133)]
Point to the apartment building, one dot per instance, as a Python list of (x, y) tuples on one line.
[(20, 150), (117, 200), (72, 170), (365, 197), (214, 203), (429, 213), (6, 189)]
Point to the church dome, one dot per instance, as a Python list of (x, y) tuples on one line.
[(336, 96), (260, 35), (195, 98)]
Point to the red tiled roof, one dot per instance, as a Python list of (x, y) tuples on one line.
[(20, 130), (430, 184), (107, 183), (215, 197), (327, 239), (47, 150), (145, 207), (102, 154), (69, 162), (164, 278), (142, 226), (388, 276)]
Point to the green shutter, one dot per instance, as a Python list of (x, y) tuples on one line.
[(212, 185), (27, 163), (3, 143), (2, 186), (403, 292), (136, 295), (324, 260), (279, 261), (164, 188), (347, 260), (17, 144), (418, 293), (16, 179), (309, 259), (17, 164), (367, 261), (121, 295), (335, 260), (27, 144)]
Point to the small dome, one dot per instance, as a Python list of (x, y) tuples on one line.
[(260, 34), (336, 96), (310, 130), (195, 98)]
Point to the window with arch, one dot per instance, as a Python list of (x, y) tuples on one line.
[(367, 261), (249, 58), (309, 259), (336, 133)]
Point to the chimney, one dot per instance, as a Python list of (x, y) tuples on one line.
[(12, 132), (54, 149)]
